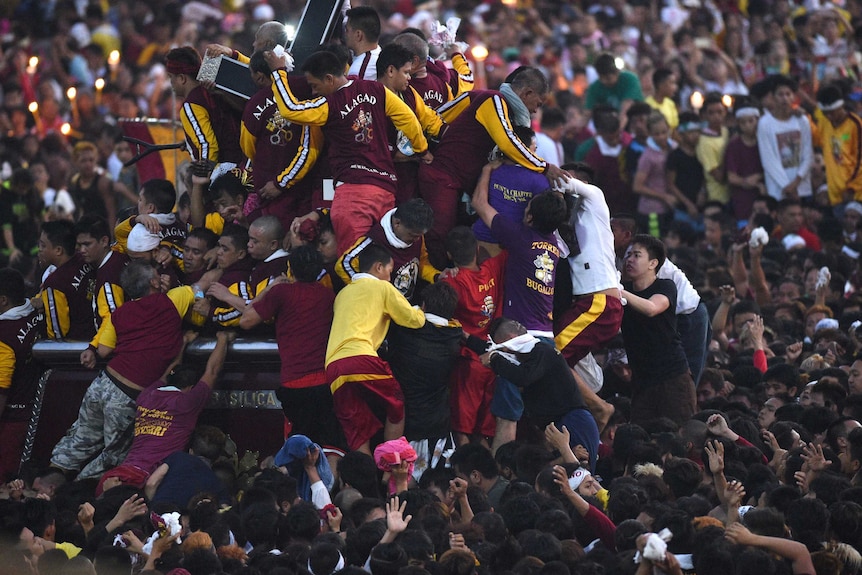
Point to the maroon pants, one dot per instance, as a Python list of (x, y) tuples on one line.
[(441, 192)]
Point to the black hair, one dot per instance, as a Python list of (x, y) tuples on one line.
[(711, 99), (552, 118), (660, 75), (161, 193), (461, 244), (185, 55), (606, 119), (548, 212), (683, 476), (94, 226), (228, 184), (184, 376), (260, 524), (358, 470), (470, 457), (686, 117), (207, 442), (302, 521), (654, 247), (238, 236), (524, 133), (392, 55), (367, 20), (61, 233), (340, 51), (415, 214), (440, 299), (305, 263), (606, 64), (12, 286), (209, 237), (371, 255), (257, 62), (779, 81)]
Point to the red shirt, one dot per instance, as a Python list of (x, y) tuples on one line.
[(480, 295), (164, 422), (149, 337), (303, 318)]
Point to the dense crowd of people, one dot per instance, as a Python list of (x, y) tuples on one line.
[(557, 288)]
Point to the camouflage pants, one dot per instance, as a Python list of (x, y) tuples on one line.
[(102, 435)]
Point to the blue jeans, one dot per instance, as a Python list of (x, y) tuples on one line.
[(695, 330)]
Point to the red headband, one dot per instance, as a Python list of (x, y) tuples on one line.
[(176, 67)]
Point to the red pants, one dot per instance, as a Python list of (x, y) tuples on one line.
[(12, 435), (355, 208), (588, 324)]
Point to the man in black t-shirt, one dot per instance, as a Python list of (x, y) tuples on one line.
[(663, 384)]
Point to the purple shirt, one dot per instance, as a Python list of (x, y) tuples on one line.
[(510, 189), (164, 422), (530, 274), (653, 163)]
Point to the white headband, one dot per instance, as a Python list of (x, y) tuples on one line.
[(338, 566), (578, 477), (748, 111), (837, 104)]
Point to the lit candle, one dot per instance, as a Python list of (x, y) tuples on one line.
[(32, 64), (113, 63), (65, 129), (696, 100), (72, 93), (34, 109), (727, 100), (100, 85)]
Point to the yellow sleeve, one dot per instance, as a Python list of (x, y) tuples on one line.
[(56, 313), (466, 82), (854, 176), (199, 132), (310, 112), (428, 272), (70, 550), (229, 316), (493, 114), (305, 158), (121, 234), (108, 334), (453, 108), (214, 222), (183, 298), (108, 299), (242, 57), (817, 120), (7, 367), (347, 265), (429, 119), (247, 142), (399, 309), (406, 121)]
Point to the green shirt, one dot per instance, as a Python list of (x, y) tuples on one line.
[(628, 87)]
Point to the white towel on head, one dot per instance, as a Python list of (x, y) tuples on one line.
[(141, 239)]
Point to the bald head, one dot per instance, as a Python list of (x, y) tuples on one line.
[(271, 227), (265, 236), (270, 35)]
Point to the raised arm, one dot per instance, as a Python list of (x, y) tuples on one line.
[(480, 196)]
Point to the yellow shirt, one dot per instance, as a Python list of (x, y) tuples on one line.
[(362, 313), (710, 154), (667, 109), (842, 155)]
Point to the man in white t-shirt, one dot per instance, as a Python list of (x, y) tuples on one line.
[(360, 35), (784, 141)]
